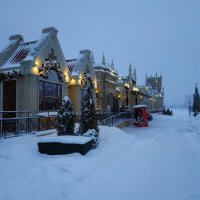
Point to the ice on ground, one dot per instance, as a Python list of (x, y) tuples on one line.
[(159, 162)]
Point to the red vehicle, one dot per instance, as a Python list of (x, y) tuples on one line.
[(141, 116)]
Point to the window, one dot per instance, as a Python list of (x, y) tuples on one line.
[(50, 95)]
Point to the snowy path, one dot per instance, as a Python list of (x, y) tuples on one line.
[(160, 162)]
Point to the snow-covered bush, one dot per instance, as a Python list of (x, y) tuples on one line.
[(94, 135), (65, 118), (88, 118)]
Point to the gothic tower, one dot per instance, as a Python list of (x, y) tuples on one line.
[(155, 82)]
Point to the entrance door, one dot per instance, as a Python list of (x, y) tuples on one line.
[(9, 98)]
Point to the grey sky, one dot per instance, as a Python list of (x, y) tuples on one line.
[(154, 35)]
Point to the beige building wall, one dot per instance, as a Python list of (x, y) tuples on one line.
[(75, 97)]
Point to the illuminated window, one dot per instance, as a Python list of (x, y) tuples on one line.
[(50, 95)]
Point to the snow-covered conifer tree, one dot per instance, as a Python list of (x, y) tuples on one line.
[(65, 118), (88, 118), (168, 111)]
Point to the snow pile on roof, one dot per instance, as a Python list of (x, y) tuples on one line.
[(9, 46), (75, 65), (78, 65), (104, 68), (25, 51), (71, 63), (39, 44)]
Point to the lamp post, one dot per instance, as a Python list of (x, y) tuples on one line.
[(151, 102), (135, 91), (126, 85)]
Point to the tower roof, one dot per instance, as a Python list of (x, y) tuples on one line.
[(112, 65), (103, 60)]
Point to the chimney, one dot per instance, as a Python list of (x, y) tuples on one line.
[(16, 37)]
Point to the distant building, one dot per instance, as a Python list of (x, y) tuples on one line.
[(107, 78), (156, 90)]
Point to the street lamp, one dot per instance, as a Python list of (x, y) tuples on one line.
[(126, 85), (135, 91)]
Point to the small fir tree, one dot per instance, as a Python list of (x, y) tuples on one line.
[(88, 118), (168, 111), (164, 111), (65, 118)]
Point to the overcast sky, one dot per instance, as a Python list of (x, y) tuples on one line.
[(154, 35)]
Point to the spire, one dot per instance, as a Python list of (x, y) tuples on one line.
[(146, 82), (156, 75), (112, 65), (130, 75), (134, 74), (92, 57), (130, 69), (103, 60), (108, 64)]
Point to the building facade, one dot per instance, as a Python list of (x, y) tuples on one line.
[(35, 76), (82, 76), (33, 73), (106, 93), (156, 91)]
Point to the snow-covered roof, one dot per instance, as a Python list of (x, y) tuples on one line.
[(75, 65), (8, 47), (104, 68), (20, 54), (25, 51), (71, 64), (112, 82)]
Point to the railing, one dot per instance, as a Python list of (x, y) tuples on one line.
[(118, 118), (15, 126), (27, 122)]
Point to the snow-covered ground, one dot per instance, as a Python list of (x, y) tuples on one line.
[(161, 162)]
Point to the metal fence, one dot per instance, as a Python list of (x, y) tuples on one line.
[(10, 127), (118, 118), (27, 122)]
